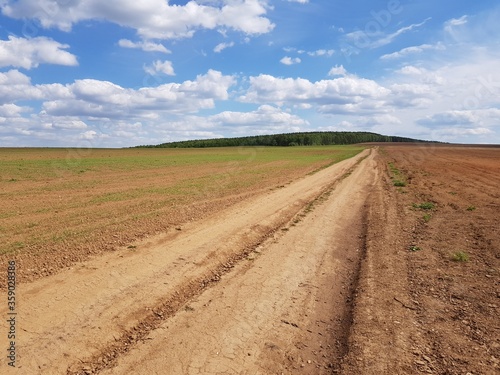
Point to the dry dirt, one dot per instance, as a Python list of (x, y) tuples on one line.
[(337, 272)]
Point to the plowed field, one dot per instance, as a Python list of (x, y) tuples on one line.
[(383, 263)]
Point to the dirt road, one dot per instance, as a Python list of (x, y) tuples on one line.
[(254, 284), (386, 263)]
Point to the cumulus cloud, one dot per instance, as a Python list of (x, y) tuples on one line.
[(410, 70), (290, 61), (340, 95), (49, 122), (411, 95), (30, 53), (146, 46), (265, 115), (337, 71), (222, 46), (107, 100), (103, 99), (11, 110), (153, 19), (160, 67), (424, 75), (15, 86), (450, 118)]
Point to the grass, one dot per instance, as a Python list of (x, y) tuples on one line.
[(415, 248), (99, 192), (398, 178), (427, 217), (460, 256), (42, 164), (471, 208), (425, 206)]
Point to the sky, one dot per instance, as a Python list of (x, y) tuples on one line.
[(119, 73)]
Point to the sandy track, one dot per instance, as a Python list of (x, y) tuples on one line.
[(83, 318), (275, 313)]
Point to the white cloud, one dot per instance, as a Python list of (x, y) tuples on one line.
[(450, 118), (337, 71), (367, 39), (153, 19), (15, 86), (340, 95), (413, 50), (410, 70), (298, 1), (263, 116), (163, 67), (102, 99), (321, 52), (11, 110), (144, 45), (29, 53), (411, 95), (290, 61), (48, 122), (424, 75), (222, 46), (451, 24), (88, 135)]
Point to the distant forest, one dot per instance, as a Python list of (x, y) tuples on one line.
[(289, 139)]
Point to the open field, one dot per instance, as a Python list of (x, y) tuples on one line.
[(429, 291), (60, 206), (387, 262)]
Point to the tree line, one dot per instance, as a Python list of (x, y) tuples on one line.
[(288, 139)]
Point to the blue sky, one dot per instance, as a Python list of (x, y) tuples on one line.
[(126, 72)]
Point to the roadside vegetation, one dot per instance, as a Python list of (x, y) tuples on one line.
[(397, 177)]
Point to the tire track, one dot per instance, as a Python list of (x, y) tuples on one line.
[(285, 310), (80, 319)]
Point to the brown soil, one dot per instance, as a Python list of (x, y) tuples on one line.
[(337, 272), (60, 207), (417, 310)]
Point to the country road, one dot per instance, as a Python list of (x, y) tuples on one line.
[(258, 287), (339, 272)]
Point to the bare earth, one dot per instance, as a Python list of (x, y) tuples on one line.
[(321, 276)]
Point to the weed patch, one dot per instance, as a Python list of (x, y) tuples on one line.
[(425, 206), (398, 178), (460, 256)]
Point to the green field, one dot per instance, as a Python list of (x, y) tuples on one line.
[(59, 199)]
